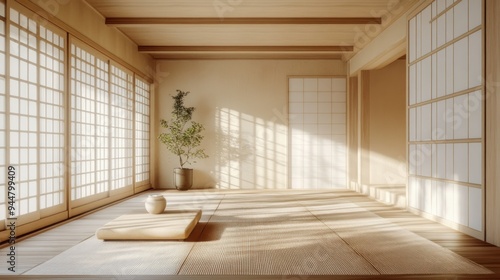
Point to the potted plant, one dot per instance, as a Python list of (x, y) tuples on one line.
[(183, 138)]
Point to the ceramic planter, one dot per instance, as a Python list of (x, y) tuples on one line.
[(183, 178)]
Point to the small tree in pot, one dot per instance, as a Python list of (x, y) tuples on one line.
[(183, 138)]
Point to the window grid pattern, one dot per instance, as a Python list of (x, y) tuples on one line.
[(52, 58), (33, 117), (317, 117), (52, 110), (36, 116), (445, 112), (90, 124), (121, 128), (142, 120), (3, 121), (23, 114)]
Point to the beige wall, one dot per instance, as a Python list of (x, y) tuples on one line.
[(377, 133), (243, 105), (387, 125)]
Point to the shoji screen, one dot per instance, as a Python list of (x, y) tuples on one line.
[(102, 116), (36, 115), (89, 123), (445, 114), (39, 101), (52, 117), (122, 111), (317, 132), (142, 121)]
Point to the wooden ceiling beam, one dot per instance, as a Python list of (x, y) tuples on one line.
[(249, 20), (166, 49)]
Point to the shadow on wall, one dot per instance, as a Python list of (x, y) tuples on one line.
[(251, 152)]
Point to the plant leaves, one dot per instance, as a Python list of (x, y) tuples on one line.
[(182, 136)]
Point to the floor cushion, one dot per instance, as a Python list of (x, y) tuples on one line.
[(170, 225)]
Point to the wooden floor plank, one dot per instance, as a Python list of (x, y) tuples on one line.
[(47, 244)]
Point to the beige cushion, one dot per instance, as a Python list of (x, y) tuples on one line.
[(172, 224)]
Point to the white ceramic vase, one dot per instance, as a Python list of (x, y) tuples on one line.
[(155, 204)]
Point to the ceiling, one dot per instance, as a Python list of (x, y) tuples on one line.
[(217, 29)]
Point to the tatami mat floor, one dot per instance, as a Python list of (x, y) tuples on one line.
[(43, 246)]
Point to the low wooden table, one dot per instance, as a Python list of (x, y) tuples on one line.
[(170, 225)]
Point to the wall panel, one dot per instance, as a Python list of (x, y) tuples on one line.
[(318, 136), (36, 115), (446, 116), (142, 132)]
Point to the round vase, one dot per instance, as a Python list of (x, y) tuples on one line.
[(155, 204)]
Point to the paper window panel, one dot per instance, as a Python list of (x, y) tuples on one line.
[(434, 24), (441, 161), (412, 90), (412, 125), (142, 101), (298, 96), (317, 119), (433, 74), (418, 124), (417, 159), (52, 57), (460, 117), (460, 65), (450, 175), (449, 59), (90, 123), (426, 202), (121, 127), (475, 60), (412, 39), (339, 85), (412, 192), (434, 122), (296, 85), (449, 25), (446, 193), (339, 118), (324, 85), (475, 209), (418, 82), (418, 39), (461, 162), (439, 197), (475, 13), (451, 188), (426, 28), (450, 118), (461, 208), (475, 163), (461, 18), (35, 129), (426, 164), (475, 114), (426, 122)]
